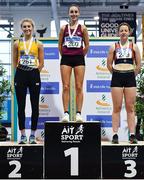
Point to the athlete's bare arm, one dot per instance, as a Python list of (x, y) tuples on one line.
[(61, 39), (86, 39)]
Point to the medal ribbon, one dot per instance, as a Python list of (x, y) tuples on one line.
[(29, 47), (126, 48), (71, 35)]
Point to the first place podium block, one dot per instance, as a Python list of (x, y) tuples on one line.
[(72, 150)]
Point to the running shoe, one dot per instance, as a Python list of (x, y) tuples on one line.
[(32, 139), (65, 117), (23, 139), (132, 139), (115, 139), (79, 117)]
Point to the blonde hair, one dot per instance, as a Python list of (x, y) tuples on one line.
[(27, 20)]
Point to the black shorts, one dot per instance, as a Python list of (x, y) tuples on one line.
[(75, 60), (123, 79)]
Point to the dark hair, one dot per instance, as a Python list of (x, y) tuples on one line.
[(124, 24), (75, 5)]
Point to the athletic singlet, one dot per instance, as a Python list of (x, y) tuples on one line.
[(29, 59), (124, 55), (72, 45)]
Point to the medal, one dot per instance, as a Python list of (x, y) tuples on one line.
[(29, 47)]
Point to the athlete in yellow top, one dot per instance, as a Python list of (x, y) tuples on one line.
[(28, 59)]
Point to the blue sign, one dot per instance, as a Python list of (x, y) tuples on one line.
[(98, 51), (98, 86), (106, 120), (51, 53), (41, 121), (49, 88)]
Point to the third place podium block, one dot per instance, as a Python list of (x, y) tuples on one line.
[(72, 150), (123, 161)]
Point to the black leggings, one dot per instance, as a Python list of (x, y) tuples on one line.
[(22, 81)]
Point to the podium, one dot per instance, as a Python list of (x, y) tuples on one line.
[(123, 161), (72, 150), (21, 161)]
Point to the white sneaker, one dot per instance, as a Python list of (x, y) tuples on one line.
[(65, 117), (79, 118)]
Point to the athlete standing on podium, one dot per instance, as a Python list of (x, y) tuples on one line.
[(126, 58), (28, 60), (71, 39)]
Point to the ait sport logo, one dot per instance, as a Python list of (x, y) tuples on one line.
[(130, 152), (102, 67), (15, 153), (71, 134), (103, 102)]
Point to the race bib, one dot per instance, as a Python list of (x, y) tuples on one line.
[(124, 53), (27, 60), (74, 42)]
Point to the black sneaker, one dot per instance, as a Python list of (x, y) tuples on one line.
[(115, 139), (132, 139)]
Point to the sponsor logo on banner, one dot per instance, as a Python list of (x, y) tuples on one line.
[(45, 75), (44, 108), (130, 152), (43, 102), (98, 51), (106, 120), (49, 88), (98, 85), (109, 22), (103, 105), (51, 53), (71, 134), (102, 102), (101, 70), (15, 153), (109, 29)]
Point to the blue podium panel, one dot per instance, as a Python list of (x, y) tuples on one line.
[(72, 150), (123, 161), (21, 161)]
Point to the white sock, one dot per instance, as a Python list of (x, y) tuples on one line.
[(115, 133)]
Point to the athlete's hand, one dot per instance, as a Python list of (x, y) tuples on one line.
[(40, 67), (136, 71)]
